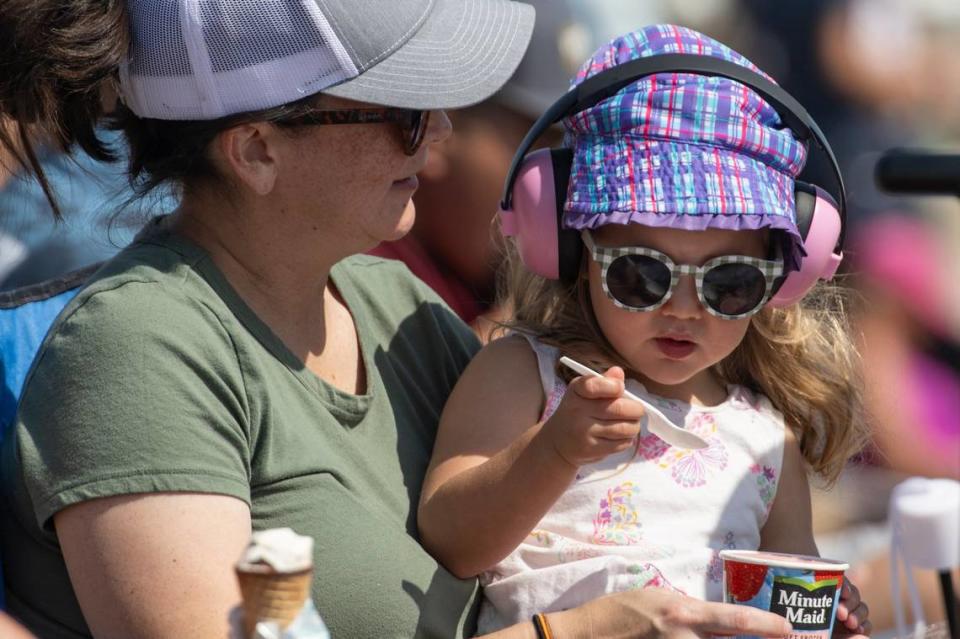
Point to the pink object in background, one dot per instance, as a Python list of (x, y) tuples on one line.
[(454, 292), (903, 266), (901, 256)]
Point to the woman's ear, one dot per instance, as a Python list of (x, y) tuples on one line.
[(249, 153)]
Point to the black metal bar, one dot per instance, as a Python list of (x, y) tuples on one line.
[(950, 603), (919, 171)]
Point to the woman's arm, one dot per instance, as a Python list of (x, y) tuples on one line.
[(495, 470), (157, 565), (650, 614)]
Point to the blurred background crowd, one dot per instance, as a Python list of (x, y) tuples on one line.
[(875, 74)]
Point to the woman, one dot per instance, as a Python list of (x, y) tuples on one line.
[(240, 366)]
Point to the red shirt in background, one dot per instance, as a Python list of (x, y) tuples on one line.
[(454, 292)]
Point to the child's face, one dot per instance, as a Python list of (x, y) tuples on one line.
[(673, 346)]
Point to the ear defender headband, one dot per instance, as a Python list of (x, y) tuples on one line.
[(531, 209)]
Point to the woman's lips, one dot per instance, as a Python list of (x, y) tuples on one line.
[(407, 183), (675, 348)]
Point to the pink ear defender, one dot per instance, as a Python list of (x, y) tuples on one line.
[(532, 220), (531, 210), (824, 226)]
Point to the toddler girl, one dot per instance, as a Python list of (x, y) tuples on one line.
[(682, 188)]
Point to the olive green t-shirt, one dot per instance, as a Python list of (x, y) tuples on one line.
[(157, 377)]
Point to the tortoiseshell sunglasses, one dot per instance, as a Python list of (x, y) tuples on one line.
[(412, 123)]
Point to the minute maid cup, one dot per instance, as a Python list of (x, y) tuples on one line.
[(804, 590)]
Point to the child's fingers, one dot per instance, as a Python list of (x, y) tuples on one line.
[(614, 372), (597, 387), (849, 601), (620, 409), (857, 617), (606, 447), (850, 593), (616, 431), (842, 611)]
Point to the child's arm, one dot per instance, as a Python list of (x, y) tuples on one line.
[(789, 528), (495, 470)]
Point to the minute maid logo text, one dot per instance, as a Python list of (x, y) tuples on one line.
[(807, 606)]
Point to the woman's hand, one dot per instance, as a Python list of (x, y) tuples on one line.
[(593, 420), (654, 613), (852, 613)]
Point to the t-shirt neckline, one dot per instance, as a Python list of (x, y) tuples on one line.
[(344, 405)]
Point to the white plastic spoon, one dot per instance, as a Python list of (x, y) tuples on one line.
[(657, 422)]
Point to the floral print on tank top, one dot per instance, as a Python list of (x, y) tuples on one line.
[(653, 516)]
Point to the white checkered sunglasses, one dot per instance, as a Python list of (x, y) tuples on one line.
[(643, 279)]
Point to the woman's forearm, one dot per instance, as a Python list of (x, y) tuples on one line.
[(652, 613), (478, 516), (575, 623)]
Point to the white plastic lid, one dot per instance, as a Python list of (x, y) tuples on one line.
[(784, 560)]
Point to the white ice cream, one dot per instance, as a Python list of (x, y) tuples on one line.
[(280, 548)]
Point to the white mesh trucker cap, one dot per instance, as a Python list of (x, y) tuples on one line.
[(206, 59)]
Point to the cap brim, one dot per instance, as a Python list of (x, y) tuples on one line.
[(464, 52)]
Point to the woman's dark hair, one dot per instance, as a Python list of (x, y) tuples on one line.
[(58, 59), (174, 152)]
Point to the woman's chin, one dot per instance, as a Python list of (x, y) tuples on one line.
[(406, 221)]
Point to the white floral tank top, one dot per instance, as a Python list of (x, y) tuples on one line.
[(653, 516)]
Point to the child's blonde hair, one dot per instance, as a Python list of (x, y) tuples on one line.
[(803, 358)]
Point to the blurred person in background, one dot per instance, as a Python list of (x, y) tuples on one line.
[(12, 250), (92, 196), (910, 352), (51, 247), (451, 246)]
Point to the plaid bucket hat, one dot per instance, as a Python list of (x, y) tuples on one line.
[(681, 150)]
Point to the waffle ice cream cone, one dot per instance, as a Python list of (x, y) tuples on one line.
[(275, 575)]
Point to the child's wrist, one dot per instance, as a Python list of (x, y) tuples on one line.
[(547, 452)]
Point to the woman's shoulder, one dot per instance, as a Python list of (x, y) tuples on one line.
[(142, 283), (144, 301)]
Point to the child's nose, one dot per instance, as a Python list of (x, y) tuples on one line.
[(684, 303)]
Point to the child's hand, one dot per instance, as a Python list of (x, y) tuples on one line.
[(852, 613), (594, 420)]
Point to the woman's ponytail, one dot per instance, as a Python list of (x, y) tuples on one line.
[(58, 61)]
